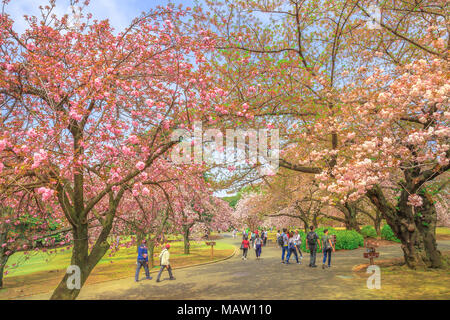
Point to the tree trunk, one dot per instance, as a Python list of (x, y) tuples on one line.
[(151, 251), (377, 223), (140, 237), (83, 259), (417, 230), (186, 232), (350, 214), (305, 226), (3, 260), (314, 222), (3, 256), (415, 227), (80, 258)]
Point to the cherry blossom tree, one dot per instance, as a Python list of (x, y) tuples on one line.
[(90, 109), (365, 111)]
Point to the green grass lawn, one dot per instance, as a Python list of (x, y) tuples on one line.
[(22, 264)]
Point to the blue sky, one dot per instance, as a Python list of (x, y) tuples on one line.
[(119, 12)]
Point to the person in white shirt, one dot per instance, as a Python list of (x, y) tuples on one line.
[(298, 244), (164, 261)]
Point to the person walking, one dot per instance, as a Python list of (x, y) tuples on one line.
[(312, 241), (292, 249), (253, 237), (244, 246), (284, 244), (298, 244), (327, 246), (234, 233), (165, 263), (258, 245), (265, 238), (142, 261)]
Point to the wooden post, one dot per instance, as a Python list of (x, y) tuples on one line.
[(212, 244), (371, 252)]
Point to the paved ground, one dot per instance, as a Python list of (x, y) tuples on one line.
[(252, 279)]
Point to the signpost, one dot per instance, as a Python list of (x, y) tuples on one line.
[(212, 244), (371, 253)]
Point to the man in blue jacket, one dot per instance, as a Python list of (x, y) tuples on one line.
[(142, 261)]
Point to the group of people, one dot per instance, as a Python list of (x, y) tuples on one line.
[(142, 261), (291, 243), (257, 241)]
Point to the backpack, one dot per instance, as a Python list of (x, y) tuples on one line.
[(311, 238), (326, 244), (280, 240), (291, 245)]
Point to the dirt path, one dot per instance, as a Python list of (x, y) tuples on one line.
[(253, 279)]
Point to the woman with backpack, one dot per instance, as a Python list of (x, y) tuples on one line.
[(244, 247), (327, 246), (258, 244)]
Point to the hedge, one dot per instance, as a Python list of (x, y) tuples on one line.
[(345, 239)]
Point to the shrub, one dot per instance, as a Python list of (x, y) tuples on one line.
[(345, 239), (368, 232), (348, 240), (388, 234)]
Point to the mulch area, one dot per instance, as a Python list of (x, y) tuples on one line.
[(361, 268)]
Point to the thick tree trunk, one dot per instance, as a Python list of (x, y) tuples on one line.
[(350, 214), (83, 259), (417, 231), (415, 227), (80, 258)]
